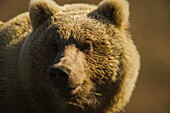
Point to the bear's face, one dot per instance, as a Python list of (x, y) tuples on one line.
[(73, 59)]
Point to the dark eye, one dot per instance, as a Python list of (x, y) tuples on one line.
[(54, 48), (87, 47)]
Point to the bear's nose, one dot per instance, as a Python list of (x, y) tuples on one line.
[(59, 75)]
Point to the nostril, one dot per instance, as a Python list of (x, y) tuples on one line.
[(53, 76), (61, 73), (58, 76)]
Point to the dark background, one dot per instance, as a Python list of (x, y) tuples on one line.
[(150, 28)]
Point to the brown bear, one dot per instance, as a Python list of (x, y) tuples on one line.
[(75, 58)]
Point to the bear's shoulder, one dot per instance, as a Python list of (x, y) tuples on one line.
[(14, 29)]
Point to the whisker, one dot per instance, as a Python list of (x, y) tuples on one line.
[(82, 107), (94, 93)]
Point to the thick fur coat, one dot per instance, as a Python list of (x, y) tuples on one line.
[(75, 58)]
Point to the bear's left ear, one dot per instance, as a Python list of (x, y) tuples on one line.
[(41, 10), (117, 11)]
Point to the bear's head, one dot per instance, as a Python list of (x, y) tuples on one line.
[(79, 58)]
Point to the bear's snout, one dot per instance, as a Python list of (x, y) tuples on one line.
[(61, 79)]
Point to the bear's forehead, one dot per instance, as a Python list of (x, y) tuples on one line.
[(77, 25)]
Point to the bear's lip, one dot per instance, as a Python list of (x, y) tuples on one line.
[(67, 91)]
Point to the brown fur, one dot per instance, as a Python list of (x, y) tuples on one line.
[(1, 24), (93, 47)]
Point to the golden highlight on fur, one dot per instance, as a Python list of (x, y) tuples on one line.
[(76, 58), (1, 24)]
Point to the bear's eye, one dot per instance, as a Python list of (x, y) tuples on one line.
[(87, 47), (54, 47)]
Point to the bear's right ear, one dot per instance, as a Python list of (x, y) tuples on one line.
[(41, 10)]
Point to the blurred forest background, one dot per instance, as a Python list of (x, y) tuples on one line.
[(150, 28)]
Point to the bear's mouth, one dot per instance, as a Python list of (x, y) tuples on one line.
[(66, 92)]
